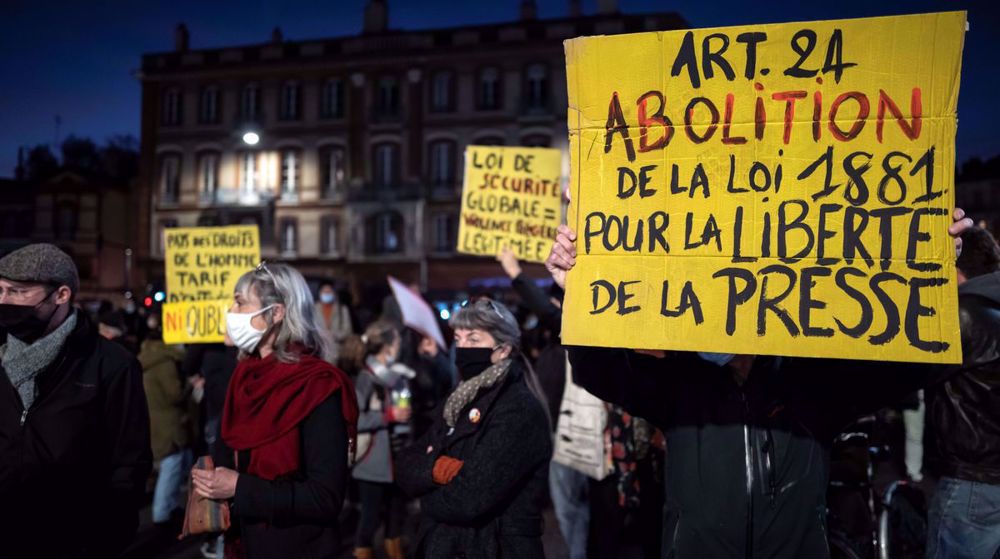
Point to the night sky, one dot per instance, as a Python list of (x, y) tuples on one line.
[(76, 59)]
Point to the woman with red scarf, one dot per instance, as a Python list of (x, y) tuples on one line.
[(291, 419)]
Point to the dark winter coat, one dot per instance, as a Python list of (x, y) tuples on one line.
[(73, 468), (747, 466), (296, 516), (493, 507), (963, 414), (170, 427)]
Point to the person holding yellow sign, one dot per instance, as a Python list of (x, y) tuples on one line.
[(748, 437)]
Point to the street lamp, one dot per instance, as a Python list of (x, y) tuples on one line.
[(251, 138)]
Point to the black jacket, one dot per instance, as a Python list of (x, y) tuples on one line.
[(747, 465), (73, 468), (551, 363), (963, 414), (493, 507), (297, 516)]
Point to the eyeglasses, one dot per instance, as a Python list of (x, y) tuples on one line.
[(478, 298)]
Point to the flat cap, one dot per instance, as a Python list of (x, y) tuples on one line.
[(40, 263)]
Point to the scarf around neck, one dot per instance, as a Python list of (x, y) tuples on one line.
[(467, 390), (268, 399), (23, 362)]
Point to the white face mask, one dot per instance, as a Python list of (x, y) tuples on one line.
[(243, 334)]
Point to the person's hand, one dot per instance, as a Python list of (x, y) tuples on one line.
[(562, 258), (508, 260), (400, 415), (960, 224), (217, 484), (428, 347), (657, 353)]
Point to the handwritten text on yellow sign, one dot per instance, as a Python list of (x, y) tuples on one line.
[(772, 189)]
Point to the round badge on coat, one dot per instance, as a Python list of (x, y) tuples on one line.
[(475, 415)]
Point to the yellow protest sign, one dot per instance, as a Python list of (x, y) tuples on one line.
[(511, 197), (203, 265), (768, 189)]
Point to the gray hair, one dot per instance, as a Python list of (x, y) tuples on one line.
[(284, 285), (491, 317)]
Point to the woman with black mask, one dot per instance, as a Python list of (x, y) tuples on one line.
[(481, 471)]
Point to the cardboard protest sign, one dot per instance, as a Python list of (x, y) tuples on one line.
[(511, 197), (203, 265), (768, 189), (417, 314)]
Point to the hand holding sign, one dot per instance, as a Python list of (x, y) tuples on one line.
[(562, 258)]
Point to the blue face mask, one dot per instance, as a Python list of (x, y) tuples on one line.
[(719, 359), (327, 298)]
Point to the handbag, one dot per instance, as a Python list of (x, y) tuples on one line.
[(203, 515)]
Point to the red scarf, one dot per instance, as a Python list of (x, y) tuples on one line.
[(268, 399)]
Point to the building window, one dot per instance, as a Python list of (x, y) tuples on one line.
[(291, 95), (442, 159), (250, 101), (172, 107), (489, 89), (385, 233), (329, 242), (161, 236), (288, 236), (444, 232), (65, 223), (536, 141), (442, 92), (208, 110), (387, 97), (248, 172), (290, 163), (332, 99), (385, 171), (333, 172), (208, 175), (170, 178), (536, 84)]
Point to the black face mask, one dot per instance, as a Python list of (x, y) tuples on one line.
[(24, 322), (473, 360)]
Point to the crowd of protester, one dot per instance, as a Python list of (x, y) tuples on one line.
[(332, 425)]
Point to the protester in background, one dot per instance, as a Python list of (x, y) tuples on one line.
[(777, 416), (384, 397), (481, 470), (963, 417), (211, 365), (289, 415), (593, 514), (568, 488), (111, 326), (335, 316), (170, 428), (74, 427), (434, 378)]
